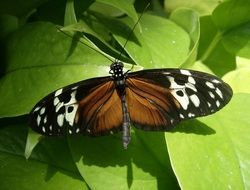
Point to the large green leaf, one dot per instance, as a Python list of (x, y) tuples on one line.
[(203, 7), (189, 20), (161, 44), (40, 59), (239, 80), (213, 152), (211, 49), (237, 40), (50, 166), (230, 14), (125, 6), (103, 162)]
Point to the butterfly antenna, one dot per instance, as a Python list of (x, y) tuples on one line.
[(132, 30), (91, 47)]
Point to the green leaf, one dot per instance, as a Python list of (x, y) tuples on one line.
[(125, 6), (237, 41), (230, 14), (16, 173), (38, 55), (70, 16), (161, 44), (203, 7), (49, 165), (208, 31), (33, 139), (83, 26), (189, 20), (168, 43), (103, 162), (215, 147), (220, 61), (211, 49), (238, 80), (8, 24), (109, 9)]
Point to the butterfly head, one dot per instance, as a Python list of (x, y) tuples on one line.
[(116, 70)]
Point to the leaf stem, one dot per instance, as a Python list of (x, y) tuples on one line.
[(211, 46)]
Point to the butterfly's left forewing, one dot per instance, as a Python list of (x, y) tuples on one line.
[(77, 108), (167, 96)]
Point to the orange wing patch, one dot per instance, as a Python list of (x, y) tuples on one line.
[(100, 111), (149, 104)]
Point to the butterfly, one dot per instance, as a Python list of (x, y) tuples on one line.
[(152, 100)]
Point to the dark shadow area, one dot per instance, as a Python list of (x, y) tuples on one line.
[(193, 126), (51, 171), (10, 121), (75, 40), (3, 57), (53, 152), (146, 151)]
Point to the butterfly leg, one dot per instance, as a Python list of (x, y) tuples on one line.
[(126, 123)]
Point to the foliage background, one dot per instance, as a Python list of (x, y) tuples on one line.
[(36, 58)]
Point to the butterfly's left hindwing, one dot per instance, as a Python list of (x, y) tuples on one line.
[(72, 109), (164, 97)]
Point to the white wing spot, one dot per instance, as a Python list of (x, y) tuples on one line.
[(77, 130), (45, 119), (50, 127), (42, 111), (191, 86), (209, 105), (183, 100), (216, 81), (185, 72), (211, 94), (191, 115), (191, 80), (58, 92), (217, 103), (43, 129), (70, 117), (36, 109), (217, 90), (166, 73), (181, 116), (56, 101), (38, 119), (195, 100), (70, 132), (60, 119), (210, 85), (58, 106)]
